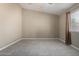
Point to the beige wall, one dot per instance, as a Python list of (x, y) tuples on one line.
[(10, 23), (62, 22), (34, 25), (75, 38), (39, 25)]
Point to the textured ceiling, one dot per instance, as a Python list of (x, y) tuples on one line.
[(52, 8)]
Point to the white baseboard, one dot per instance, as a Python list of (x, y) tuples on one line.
[(62, 40), (35, 39), (73, 46), (10, 44), (38, 38)]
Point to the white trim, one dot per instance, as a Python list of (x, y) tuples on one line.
[(38, 38), (22, 39), (73, 46), (62, 40), (10, 44)]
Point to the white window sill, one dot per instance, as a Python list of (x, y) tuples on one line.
[(74, 31)]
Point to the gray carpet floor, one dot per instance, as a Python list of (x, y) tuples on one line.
[(39, 48)]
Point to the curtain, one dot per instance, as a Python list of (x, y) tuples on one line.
[(68, 25)]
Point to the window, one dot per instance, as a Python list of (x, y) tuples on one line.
[(75, 21)]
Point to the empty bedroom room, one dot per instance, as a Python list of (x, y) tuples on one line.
[(39, 29)]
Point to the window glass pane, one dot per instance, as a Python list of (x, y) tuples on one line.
[(75, 21)]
